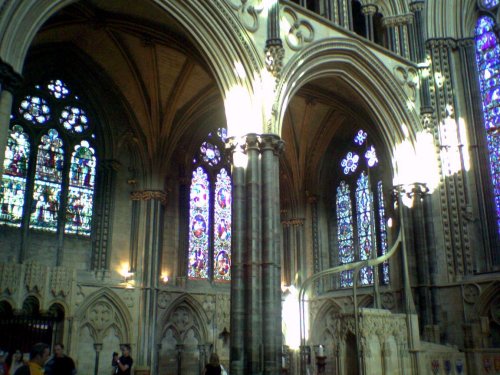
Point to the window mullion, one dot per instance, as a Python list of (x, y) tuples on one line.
[(28, 199)]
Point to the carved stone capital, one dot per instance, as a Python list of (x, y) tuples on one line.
[(271, 141), (417, 6), (275, 53), (145, 195), (400, 20), (9, 79), (369, 9)]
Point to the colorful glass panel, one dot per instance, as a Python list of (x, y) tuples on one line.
[(488, 62), (350, 162), (199, 224), (488, 4), (74, 119), (360, 137), (222, 227), (345, 234), (383, 231), (364, 211), (35, 110), (371, 156), (13, 184), (48, 178), (81, 190), (210, 154), (58, 89)]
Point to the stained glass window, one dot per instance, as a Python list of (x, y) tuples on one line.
[(13, 185), (210, 212), (345, 233), (198, 224), (52, 113), (81, 188), (48, 178), (357, 230), (222, 226), (488, 62), (364, 203)]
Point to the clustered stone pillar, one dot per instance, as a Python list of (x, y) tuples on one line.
[(369, 11), (152, 203), (256, 342)]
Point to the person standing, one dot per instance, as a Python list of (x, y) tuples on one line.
[(38, 356), (14, 362), (60, 364), (125, 362), (213, 367)]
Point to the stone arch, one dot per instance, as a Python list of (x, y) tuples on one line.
[(183, 337), (199, 317), (7, 305), (350, 61), (486, 298), (102, 323), (214, 28), (110, 312)]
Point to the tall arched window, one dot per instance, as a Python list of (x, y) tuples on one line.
[(360, 211), (488, 62), (210, 212), (50, 164)]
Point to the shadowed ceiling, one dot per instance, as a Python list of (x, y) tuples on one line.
[(173, 98)]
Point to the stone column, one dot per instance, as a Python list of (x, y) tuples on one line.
[(420, 239), (369, 11), (256, 268), (97, 348), (9, 82), (148, 273), (271, 146), (238, 225)]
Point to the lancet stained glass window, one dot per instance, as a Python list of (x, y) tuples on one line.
[(488, 62), (361, 233), (56, 156), (209, 250), (15, 168)]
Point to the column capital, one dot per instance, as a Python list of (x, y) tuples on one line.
[(9, 79), (369, 9), (417, 5), (146, 195), (272, 141)]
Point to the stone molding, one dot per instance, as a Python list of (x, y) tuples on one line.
[(146, 195), (301, 32), (244, 9)]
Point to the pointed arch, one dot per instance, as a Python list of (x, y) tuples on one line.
[(112, 312), (199, 317), (351, 62)]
